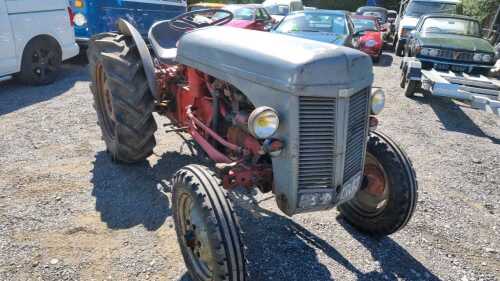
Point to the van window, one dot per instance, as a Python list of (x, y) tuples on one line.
[(419, 8), (296, 6), (278, 10)]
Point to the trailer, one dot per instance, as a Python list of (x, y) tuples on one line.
[(479, 91)]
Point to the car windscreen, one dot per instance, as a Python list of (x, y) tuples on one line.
[(278, 10), (239, 13), (451, 26), (419, 8), (314, 22), (364, 25)]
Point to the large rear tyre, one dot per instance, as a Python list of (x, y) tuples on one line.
[(388, 196), (122, 98), (207, 227)]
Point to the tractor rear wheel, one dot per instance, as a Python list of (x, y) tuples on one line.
[(387, 198), (207, 227), (122, 98)]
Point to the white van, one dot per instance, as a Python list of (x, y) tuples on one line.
[(35, 37), (410, 12), (278, 9)]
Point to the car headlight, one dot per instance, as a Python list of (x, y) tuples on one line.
[(370, 43), (487, 58), (263, 122), (433, 52), (377, 101), (79, 19), (425, 51), (477, 57)]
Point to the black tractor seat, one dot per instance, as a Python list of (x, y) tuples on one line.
[(164, 41)]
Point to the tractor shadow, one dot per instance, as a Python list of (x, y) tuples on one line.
[(281, 249), (131, 195), (15, 96), (453, 118)]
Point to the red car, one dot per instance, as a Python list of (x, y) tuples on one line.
[(250, 16), (371, 35)]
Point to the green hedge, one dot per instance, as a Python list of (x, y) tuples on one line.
[(481, 9)]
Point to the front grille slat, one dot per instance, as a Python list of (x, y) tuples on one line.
[(356, 134), (316, 142)]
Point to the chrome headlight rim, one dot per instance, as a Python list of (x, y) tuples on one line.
[(433, 52), (487, 58), (477, 57), (425, 51), (377, 101), (263, 132)]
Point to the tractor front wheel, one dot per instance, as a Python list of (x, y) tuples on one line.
[(122, 98), (207, 228), (388, 196)]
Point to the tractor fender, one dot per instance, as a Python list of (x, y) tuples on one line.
[(413, 68), (147, 61)]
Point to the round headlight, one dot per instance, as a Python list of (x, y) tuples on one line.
[(433, 52), (487, 58), (377, 101), (424, 51), (263, 122), (370, 43), (79, 19), (478, 57)]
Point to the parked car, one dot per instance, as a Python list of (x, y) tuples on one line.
[(391, 19), (409, 13), (371, 40), (451, 42), (250, 16), (204, 5), (320, 25), (35, 38), (279, 9), (381, 14), (96, 16), (440, 51)]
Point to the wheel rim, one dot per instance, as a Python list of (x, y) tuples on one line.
[(44, 63), (373, 196), (194, 237), (105, 101)]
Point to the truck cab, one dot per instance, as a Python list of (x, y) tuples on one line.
[(97, 16), (409, 13), (35, 38)]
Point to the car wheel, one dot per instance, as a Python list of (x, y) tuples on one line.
[(399, 49), (41, 62)]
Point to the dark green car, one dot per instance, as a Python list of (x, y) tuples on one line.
[(451, 42)]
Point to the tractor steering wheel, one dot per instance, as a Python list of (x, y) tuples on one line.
[(189, 21)]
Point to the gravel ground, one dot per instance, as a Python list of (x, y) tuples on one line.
[(68, 213)]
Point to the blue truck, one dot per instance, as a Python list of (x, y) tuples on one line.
[(95, 16)]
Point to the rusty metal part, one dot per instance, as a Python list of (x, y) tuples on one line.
[(255, 176), (197, 123), (105, 101)]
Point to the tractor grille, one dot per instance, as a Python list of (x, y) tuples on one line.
[(317, 142), (356, 134)]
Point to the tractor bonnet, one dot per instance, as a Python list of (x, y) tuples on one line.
[(278, 61)]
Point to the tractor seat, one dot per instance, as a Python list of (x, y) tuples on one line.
[(163, 40)]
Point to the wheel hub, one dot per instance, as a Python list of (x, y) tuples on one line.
[(373, 195), (196, 238)]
